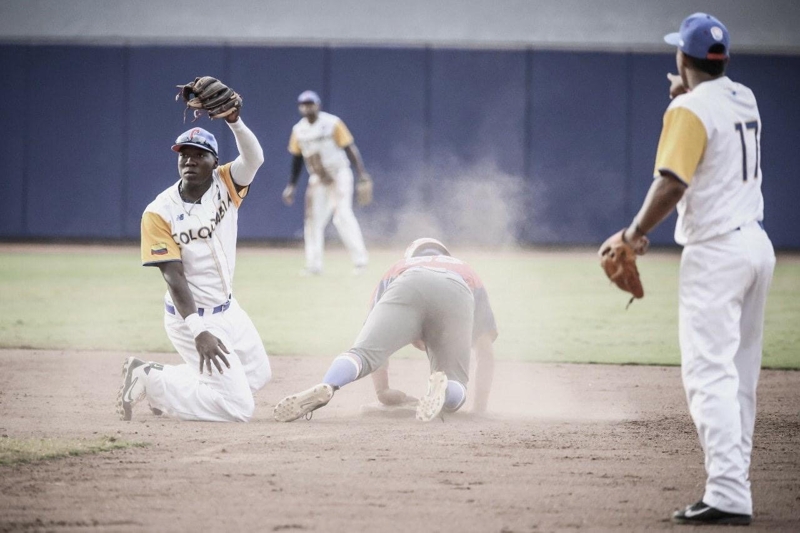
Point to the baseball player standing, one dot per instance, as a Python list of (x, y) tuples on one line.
[(326, 145), (189, 232), (429, 299), (708, 164)]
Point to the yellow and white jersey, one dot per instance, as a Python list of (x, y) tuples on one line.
[(327, 136), (711, 141), (202, 235)]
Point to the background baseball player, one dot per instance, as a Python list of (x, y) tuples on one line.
[(434, 301), (326, 145), (189, 232), (708, 164)]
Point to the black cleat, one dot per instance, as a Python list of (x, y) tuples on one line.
[(701, 514)]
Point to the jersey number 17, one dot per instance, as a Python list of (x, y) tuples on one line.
[(741, 127)]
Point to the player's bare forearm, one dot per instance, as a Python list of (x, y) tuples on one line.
[(355, 158), (380, 377), (664, 194), (484, 372), (178, 287), (387, 396)]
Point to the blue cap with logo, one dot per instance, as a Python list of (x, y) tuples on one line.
[(308, 96), (698, 33), (196, 137)]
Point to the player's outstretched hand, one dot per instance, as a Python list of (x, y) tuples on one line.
[(676, 86), (288, 194), (209, 95), (394, 397), (211, 349)]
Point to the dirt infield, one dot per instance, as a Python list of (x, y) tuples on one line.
[(565, 447)]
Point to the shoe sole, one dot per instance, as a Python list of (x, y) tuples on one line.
[(298, 405), (431, 405), (125, 409), (726, 521)]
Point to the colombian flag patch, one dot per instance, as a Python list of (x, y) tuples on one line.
[(158, 249)]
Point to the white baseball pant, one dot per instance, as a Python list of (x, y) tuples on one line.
[(336, 200), (722, 296), (181, 391)]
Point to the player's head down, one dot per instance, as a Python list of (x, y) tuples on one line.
[(425, 246)]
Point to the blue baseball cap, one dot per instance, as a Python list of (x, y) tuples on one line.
[(698, 33), (197, 137), (308, 96)]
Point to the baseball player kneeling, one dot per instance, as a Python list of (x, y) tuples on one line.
[(429, 299), (189, 232)]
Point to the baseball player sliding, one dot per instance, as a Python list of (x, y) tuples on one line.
[(189, 233), (326, 145), (708, 164), (429, 299)]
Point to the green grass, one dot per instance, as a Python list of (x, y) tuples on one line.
[(14, 450), (550, 305)]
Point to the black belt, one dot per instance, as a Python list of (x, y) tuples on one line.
[(200, 311)]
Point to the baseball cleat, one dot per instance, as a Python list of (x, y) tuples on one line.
[(300, 404), (431, 405), (132, 390), (701, 514)]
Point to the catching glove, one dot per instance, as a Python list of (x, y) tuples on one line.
[(364, 190), (210, 95), (618, 261)]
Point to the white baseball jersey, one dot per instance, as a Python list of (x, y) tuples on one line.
[(711, 141), (202, 235), (327, 136)]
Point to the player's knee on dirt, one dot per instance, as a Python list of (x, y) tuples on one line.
[(345, 369), (241, 407), (455, 395)]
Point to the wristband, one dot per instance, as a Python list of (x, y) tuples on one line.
[(195, 324)]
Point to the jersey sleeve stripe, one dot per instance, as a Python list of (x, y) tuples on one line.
[(227, 178), (294, 146), (158, 246), (682, 144), (342, 135)]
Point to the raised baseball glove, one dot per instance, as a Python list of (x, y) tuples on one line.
[(618, 261), (207, 94), (364, 190)]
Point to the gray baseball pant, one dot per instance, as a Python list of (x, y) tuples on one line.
[(434, 305)]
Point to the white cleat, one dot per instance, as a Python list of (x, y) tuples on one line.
[(431, 405), (300, 404), (132, 390)]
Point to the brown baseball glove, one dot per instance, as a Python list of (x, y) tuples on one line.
[(207, 94), (618, 261), (364, 189)]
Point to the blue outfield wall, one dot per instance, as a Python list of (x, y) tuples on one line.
[(555, 146)]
